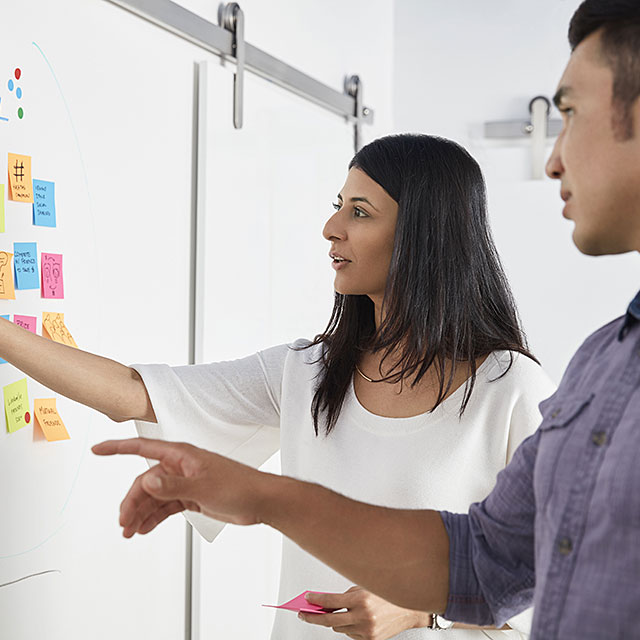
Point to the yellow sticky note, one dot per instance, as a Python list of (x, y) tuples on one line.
[(16, 405), (20, 183), (54, 328), (7, 289), (49, 419), (1, 208)]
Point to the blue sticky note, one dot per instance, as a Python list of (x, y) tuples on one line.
[(44, 203), (25, 265), (2, 360)]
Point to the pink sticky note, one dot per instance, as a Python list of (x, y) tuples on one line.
[(51, 269), (27, 322), (299, 603)]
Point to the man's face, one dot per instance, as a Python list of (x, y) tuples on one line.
[(599, 173)]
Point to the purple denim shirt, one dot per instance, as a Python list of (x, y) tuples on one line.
[(561, 528)]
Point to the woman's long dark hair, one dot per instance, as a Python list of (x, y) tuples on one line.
[(447, 299)]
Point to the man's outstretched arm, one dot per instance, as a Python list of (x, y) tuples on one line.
[(402, 555)]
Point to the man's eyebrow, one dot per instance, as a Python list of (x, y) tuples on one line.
[(560, 94), (361, 199)]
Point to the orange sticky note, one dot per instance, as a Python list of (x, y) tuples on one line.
[(49, 419), (20, 182), (7, 289), (54, 328)]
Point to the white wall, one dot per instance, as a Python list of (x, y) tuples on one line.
[(461, 63)]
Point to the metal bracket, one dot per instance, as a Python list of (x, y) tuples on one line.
[(231, 17), (353, 88), (522, 128)]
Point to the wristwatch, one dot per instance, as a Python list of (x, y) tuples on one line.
[(439, 623)]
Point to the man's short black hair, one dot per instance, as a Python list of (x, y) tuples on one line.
[(619, 24)]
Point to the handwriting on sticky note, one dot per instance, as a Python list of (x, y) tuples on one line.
[(26, 322), (16, 405), (20, 183), (7, 290), (25, 265), (1, 208), (49, 419), (52, 284), (44, 203), (54, 328)]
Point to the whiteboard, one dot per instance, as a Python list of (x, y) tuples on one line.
[(108, 116)]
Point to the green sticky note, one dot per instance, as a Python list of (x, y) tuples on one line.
[(16, 405), (1, 208)]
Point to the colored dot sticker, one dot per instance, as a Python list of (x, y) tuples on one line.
[(17, 73), (27, 417), (10, 85), (19, 93), (20, 113)]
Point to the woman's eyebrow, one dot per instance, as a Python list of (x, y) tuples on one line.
[(360, 199)]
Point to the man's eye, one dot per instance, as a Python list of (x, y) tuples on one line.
[(566, 111)]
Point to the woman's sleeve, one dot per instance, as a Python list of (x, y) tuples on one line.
[(231, 408)]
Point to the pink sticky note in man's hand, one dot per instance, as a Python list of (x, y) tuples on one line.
[(300, 603), (27, 322), (52, 285)]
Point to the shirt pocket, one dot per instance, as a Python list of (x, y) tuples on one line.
[(558, 453), (620, 476)]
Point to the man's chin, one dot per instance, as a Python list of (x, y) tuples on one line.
[(594, 245)]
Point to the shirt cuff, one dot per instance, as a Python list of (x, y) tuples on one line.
[(465, 602)]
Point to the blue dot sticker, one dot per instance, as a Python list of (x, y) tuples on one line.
[(19, 93), (10, 85)]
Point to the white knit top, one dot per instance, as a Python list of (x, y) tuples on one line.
[(248, 408)]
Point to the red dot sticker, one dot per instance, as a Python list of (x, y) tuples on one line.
[(27, 417), (18, 73)]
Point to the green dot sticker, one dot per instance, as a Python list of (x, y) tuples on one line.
[(20, 113)]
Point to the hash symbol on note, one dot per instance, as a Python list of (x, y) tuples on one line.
[(20, 168)]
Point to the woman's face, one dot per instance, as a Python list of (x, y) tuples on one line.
[(361, 233)]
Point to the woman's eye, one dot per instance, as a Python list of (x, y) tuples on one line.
[(359, 213), (336, 205), (566, 111)]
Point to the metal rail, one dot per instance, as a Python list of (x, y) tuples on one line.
[(220, 41)]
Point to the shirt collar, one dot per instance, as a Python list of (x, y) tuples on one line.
[(631, 318)]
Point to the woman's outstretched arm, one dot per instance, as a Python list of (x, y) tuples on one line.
[(102, 384)]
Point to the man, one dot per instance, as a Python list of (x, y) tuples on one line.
[(561, 529)]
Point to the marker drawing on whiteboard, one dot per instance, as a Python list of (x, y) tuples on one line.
[(31, 575)]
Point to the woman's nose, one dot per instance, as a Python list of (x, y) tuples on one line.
[(333, 229)]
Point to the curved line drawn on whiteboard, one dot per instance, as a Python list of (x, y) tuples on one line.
[(31, 575), (37, 546), (93, 228)]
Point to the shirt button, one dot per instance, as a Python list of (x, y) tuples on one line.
[(599, 438), (565, 546), (556, 413)]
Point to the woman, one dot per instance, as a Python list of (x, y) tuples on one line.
[(416, 394)]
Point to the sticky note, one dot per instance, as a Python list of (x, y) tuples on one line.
[(25, 265), (44, 203), (20, 183), (1, 208), (299, 603), (7, 290), (26, 322), (49, 419), (54, 328), (16, 405), (52, 285), (2, 360)]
